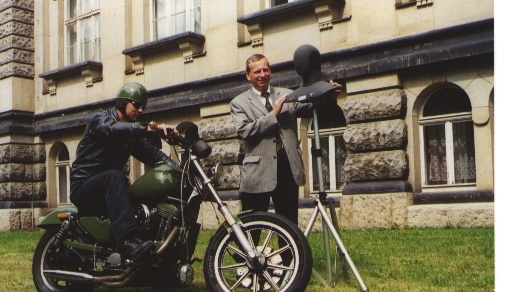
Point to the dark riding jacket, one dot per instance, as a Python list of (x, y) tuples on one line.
[(108, 143)]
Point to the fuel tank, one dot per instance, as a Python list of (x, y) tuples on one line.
[(162, 180)]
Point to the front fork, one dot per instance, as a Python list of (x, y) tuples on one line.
[(251, 252)]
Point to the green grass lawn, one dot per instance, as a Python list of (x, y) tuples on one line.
[(450, 259)]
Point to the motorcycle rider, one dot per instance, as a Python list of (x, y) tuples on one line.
[(98, 182)]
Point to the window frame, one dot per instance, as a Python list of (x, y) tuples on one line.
[(329, 133), (190, 19), (78, 21), (59, 164), (447, 120), (271, 3)]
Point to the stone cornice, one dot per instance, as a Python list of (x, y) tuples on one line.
[(328, 12), (191, 45), (16, 122), (90, 70)]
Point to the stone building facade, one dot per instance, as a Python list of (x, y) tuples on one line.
[(409, 141)]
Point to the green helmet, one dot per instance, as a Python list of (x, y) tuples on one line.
[(133, 91)]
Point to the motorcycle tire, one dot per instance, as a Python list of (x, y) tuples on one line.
[(288, 257), (47, 256)]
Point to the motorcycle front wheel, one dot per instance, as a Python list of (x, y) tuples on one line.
[(286, 263)]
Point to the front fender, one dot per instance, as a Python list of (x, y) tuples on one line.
[(52, 218)]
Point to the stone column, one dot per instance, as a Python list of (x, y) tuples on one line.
[(377, 193), (22, 161), (217, 128)]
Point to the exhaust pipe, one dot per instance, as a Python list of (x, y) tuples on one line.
[(69, 276), (115, 281)]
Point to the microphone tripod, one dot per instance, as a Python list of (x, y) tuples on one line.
[(329, 224), (307, 60)]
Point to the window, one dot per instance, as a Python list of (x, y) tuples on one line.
[(82, 31), (407, 3), (402, 2), (331, 140), (273, 3), (448, 139), (172, 17), (62, 176)]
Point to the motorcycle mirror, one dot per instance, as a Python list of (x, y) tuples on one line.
[(188, 132)]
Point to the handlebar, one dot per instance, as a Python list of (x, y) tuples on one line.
[(170, 139), (187, 138)]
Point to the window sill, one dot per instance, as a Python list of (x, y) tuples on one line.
[(417, 3), (328, 12), (191, 44), (90, 70), (447, 188), (454, 196)]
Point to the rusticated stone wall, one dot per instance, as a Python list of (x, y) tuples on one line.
[(376, 136), (22, 173), (377, 194), (22, 164), (220, 133), (16, 38)]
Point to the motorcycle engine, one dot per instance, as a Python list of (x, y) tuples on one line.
[(157, 223)]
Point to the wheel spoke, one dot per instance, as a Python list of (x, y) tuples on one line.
[(279, 251), (237, 251), (255, 282), (249, 237), (279, 267), (239, 281), (270, 281), (267, 240), (232, 267)]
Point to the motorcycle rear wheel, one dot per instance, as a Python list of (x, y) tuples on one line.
[(288, 256), (47, 256)]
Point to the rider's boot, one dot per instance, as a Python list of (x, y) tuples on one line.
[(134, 249)]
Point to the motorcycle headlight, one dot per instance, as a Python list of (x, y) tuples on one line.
[(216, 174)]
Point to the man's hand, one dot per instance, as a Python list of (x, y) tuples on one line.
[(338, 89), (277, 106), (164, 131)]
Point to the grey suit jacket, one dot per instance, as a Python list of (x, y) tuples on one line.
[(257, 128)]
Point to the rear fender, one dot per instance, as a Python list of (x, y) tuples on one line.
[(52, 218)]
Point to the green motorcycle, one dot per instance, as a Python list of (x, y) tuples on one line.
[(250, 251)]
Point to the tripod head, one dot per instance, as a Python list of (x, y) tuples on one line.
[(316, 92)]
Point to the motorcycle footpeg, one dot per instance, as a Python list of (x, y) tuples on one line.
[(140, 261)]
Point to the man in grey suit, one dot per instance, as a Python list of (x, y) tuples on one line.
[(273, 165)]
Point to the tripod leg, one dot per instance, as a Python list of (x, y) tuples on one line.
[(335, 222), (311, 222), (326, 244), (341, 246)]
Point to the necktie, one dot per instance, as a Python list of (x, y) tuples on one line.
[(268, 106)]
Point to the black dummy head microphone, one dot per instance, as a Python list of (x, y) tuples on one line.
[(307, 60)]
